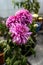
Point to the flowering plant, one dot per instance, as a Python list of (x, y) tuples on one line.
[(18, 26), (18, 38)]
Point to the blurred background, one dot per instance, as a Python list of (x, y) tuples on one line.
[(7, 9)]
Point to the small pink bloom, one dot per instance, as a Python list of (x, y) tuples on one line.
[(10, 20)]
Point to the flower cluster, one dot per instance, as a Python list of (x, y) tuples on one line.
[(18, 27)]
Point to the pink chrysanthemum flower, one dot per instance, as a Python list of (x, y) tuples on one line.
[(10, 21), (20, 33), (24, 16)]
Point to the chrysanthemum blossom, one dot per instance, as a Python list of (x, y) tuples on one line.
[(24, 16), (20, 33), (10, 21)]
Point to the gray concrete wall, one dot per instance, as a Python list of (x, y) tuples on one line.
[(41, 6), (6, 8)]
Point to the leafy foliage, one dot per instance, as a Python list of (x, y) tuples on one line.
[(16, 54), (31, 5), (3, 29)]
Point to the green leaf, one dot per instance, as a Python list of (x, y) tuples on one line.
[(24, 61), (13, 60), (8, 61), (17, 62)]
